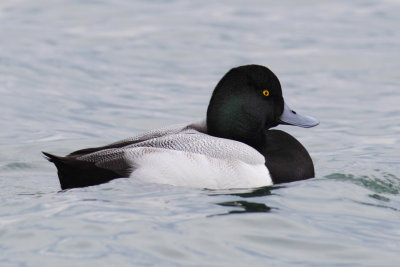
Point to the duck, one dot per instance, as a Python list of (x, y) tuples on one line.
[(234, 147)]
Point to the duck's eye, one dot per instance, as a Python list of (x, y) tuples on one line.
[(266, 92)]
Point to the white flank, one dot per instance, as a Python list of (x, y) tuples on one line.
[(180, 168)]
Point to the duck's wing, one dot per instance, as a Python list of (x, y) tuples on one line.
[(92, 166), (188, 140), (133, 140), (187, 158)]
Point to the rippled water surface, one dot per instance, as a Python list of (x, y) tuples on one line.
[(76, 74)]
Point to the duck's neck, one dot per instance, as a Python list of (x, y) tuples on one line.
[(230, 120)]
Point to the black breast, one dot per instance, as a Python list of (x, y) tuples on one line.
[(286, 158)]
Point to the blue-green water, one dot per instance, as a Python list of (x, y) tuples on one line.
[(76, 74)]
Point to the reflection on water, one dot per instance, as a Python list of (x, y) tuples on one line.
[(245, 206), (381, 198), (245, 192), (385, 186), (382, 182)]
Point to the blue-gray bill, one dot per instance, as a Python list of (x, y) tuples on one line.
[(291, 117)]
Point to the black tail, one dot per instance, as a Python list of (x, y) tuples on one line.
[(78, 173)]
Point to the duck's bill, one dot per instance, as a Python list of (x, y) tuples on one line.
[(291, 117)]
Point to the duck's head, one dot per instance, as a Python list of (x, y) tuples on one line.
[(247, 101)]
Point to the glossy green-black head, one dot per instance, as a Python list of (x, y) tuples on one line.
[(247, 101)]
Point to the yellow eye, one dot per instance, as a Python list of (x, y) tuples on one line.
[(266, 92)]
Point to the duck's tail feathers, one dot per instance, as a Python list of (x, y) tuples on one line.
[(78, 173)]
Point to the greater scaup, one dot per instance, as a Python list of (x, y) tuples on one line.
[(233, 148)]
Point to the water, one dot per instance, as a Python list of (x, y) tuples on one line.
[(76, 74)]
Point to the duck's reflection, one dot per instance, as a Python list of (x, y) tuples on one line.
[(245, 206)]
